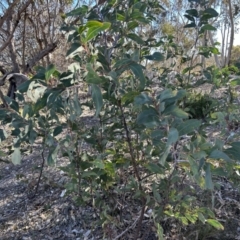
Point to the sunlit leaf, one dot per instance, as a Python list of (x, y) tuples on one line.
[(131, 25), (95, 27), (215, 224), (160, 232), (235, 82), (16, 156)]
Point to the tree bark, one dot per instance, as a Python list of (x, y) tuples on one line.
[(231, 33)]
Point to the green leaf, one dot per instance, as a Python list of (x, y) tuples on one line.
[(201, 217), (3, 135), (138, 72), (92, 76), (120, 17), (190, 25), (208, 27), (157, 56), (132, 25), (101, 58), (95, 27), (217, 154), (235, 82), (233, 151), (160, 232), (192, 12), (49, 71), (172, 136), (210, 11), (78, 11), (90, 173), (16, 156), (57, 130), (155, 168), (191, 18), (148, 118), (157, 136), (164, 156), (175, 111), (208, 177), (170, 97), (129, 97), (52, 156), (77, 105), (188, 126), (97, 98), (94, 23), (24, 86), (12, 103), (215, 224), (40, 74), (165, 94), (141, 99), (74, 48), (99, 163), (135, 38)]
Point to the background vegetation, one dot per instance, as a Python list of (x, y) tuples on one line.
[(165, 98)]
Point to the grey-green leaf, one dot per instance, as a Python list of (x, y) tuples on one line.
[(97, 98), (157, 56), (172, 136), (148, 118), (188, 126), (208, 177), (138, 72), (217, 154)]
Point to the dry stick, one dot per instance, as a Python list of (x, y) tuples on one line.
[(126, 230), (135, 168), (3, 99)]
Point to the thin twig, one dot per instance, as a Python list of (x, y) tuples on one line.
[(126, 230), (40, 175)]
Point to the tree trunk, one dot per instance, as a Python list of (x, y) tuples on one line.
[(231, 33)]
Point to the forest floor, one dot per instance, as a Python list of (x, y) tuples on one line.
[(51, 214)]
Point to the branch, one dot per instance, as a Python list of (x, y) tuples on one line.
[(16, 22), (3, 70), (32, 62), (8, 12)]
